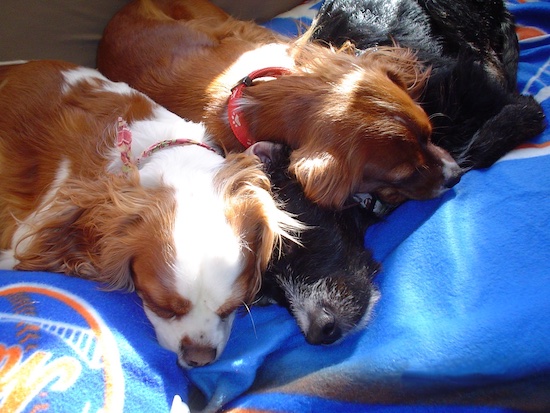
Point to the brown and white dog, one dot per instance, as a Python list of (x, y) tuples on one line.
[(190, 230), (352, 122)]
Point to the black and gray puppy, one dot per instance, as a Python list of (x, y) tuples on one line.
[(326, 282), (472, 50)]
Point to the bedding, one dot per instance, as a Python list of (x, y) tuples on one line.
[(463, 323)]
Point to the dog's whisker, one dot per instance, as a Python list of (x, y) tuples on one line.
[(251, 318), (438, 115)]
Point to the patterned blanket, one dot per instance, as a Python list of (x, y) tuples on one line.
[(463, 324)]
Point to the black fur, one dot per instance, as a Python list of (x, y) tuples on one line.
[(477, 114), (327, 282), (472, 49)]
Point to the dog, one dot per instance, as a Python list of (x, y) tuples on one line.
[(100, 182), (352, 122), (325, 281), (472, 50)]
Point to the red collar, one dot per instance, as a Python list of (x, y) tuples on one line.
[(236, 120)]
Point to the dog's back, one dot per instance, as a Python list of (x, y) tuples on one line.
[(170, 40), (352, 122), (35, 139)]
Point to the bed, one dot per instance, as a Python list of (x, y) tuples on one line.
[(463, 324)]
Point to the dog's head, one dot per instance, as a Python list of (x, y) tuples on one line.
[(214, 262), (331, 302), (193, 249), (368, 134), (326, 281)]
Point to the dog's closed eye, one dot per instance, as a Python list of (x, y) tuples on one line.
[(171, 308), (225, 311)]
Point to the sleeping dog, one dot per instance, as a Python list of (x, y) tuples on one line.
[(100, 182), (472, 49), (326, 281), (478, 117), (77, 197), (352, 121)]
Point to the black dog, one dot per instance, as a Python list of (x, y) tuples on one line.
[(327, 282), (472, 49)]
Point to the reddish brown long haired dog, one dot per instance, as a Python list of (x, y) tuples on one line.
[(190, 230), (352, 122)]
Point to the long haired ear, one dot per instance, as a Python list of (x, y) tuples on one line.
[(89, 230), (255, 214), (325, 177), (401, 66)]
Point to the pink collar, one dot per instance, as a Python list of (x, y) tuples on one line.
[(124, 145), (237, 121)]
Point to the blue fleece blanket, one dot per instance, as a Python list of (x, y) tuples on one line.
[(463, 324)]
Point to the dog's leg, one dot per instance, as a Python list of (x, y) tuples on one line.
[(503, 132)]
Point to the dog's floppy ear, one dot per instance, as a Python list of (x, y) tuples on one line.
[(81, 223), (91, 230), (253, 212), (325, 177), (401, 66)]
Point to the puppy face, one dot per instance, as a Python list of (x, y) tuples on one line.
[(194, 274), (401, 162), (370, 135), (185, 259), (191, 292), (326, 281), (328, 303)]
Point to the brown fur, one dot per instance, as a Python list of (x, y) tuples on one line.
[(104, 226), (352, 121), (244, 185)]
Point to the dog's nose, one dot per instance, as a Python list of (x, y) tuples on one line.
[(196, 356), (323, 328), (452, 181), (451, 173)]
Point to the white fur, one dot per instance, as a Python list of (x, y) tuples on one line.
[(208, 252), (209, 256), (269, 55)]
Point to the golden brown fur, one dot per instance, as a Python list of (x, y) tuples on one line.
[(243, 185), (352, 121), (66, 206)]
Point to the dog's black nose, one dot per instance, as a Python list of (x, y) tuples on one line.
[(453, 180), (323, 328), (452, 174)]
